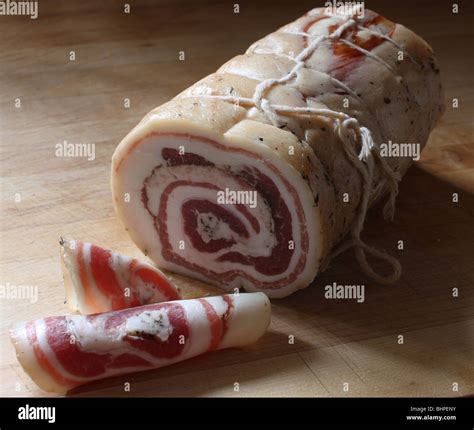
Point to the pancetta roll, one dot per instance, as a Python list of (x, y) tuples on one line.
[(253, 176), (61, 353)]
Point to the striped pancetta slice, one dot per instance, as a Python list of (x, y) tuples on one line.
[(61, 353), (99, 280), (252, 177)]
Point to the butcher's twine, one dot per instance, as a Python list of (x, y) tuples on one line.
[(349, 131)]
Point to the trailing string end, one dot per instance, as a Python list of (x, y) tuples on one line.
[(361, 248), (364, 162), (393, 178), (367, 143)]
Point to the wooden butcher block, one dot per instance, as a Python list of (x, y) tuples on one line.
[(86, 72)]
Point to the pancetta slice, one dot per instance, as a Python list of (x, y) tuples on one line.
[(251, 177), (98, 280), (61, 353)]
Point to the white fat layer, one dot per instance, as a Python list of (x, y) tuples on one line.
[(105, 302), (209, 227), (147, 292), (120, 264), (154, 323), (94, 337), (219, 304), (248, 321), (72, 280), (322, 27)]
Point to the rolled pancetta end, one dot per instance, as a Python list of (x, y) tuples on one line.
[(252, 176), (61, 353), (98, 280), (232, 210)]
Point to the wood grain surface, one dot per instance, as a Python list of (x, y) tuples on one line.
[(341, 348)]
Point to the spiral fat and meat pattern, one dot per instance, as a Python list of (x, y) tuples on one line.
[(253, 176)]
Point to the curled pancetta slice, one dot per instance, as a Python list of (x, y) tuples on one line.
[(99, 280), (61, 353), (253, 176)]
